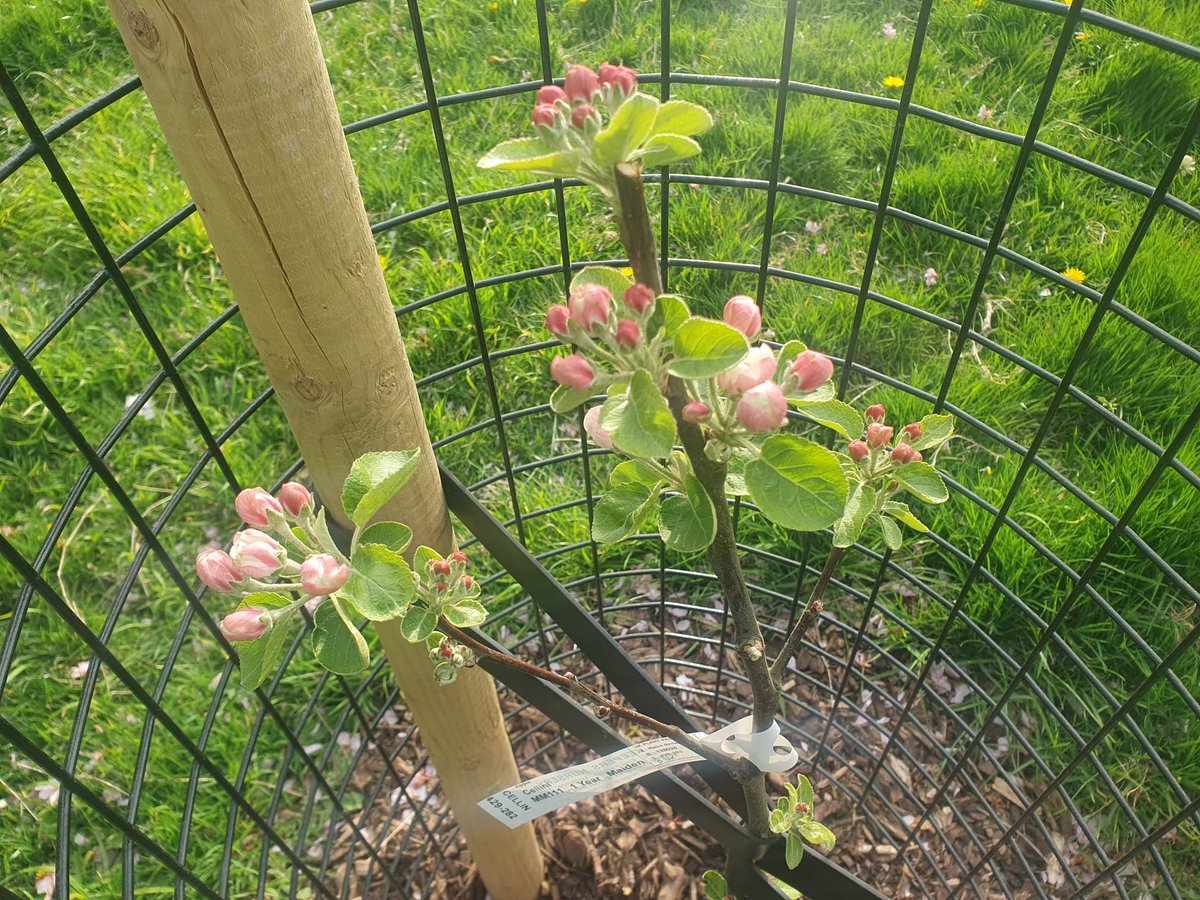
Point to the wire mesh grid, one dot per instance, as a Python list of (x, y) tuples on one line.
[(322, 789)]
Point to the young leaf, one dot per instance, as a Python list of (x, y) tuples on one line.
[(374, 479), (669, 313), (935, 430), (628, 128), (904, 514), (780, 821), (634, 471), (664, 149), (804, 791), (392, 535), (564, 399), (797, 484), (688, 522), (818, 835), (704, 348), (793, 850), (784, 357), (922, 479), (531, 155), (336, 643), (433, 640), (465, 613), (259, 659), (614, 279), (891, 532), (847, 529), (841, 417), (682, 117), (735, 472), (380, 584), (418, 624), (714, 886), (620, 512), (639, 419), (423, 557)]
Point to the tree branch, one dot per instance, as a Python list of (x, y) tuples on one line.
[(812, 609)]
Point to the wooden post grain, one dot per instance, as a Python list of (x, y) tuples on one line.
[(244, 99)]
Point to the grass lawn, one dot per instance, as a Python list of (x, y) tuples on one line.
[(1117, 103)]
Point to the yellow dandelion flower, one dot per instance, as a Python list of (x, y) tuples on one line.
[(627, 271), (583, 2), (494, 7), (1074, 274), (1082, 35), (893, 81), (383, 262)]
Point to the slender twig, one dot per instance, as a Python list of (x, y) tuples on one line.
[(812, 610), (741, 770)]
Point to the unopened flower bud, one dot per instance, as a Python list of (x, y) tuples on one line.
[(802, 807), (294, 497), (580, 115), (752, 652), (581, 84), (858, 450), (440, 567), (876, 412), (254, 505), (545, 116), (322, 574), (446, 651), (638, 297), (590, 305), (217, 569), (602, 711), (468, 582), (696, 412), (458, 556), (550, 94), (912, 430), (557, 318), (903, 453), (810, 370), (591, 424), (878, 435), (763, 408), (917, 457), (256, 554), (245, 624), (621, 77), (441, 585), (628, 334), (756, 367), (742, 313), (573, 372)]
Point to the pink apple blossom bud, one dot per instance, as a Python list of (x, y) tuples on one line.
[(763, 407), (253, 505), (743, 314), (917, 457), (440, 567), (638, 297), (581, 83), (903, 453), (878, 434), (621, 77), (590, 305), (580, 115), (912, 430), (572, 371), (446, 650), (245, 624), (545, 116), (550, 94), (628, 333), (591, 424), (468, 582), (696, 412), (441, 585), (811, 370), (757, 367), (458, 556), (322, 574), (217, 569), (876, 412), (858, 450), (294, 496), (931, 277), (256, 554), (556, 321)]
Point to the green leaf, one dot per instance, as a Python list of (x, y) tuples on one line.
[(669, 313), (735, 472), (418, 624), (321, 528), (259, 659), (380, 584), (531, 155), (793, 850), (434, 640), (891, 532), (635, 471), (904, 514), (639, 419), (664, 149), (841, 417), (688, 522), (780, 822), (392, 535), (818, 835), (465, 613), (784, 357), (564, 399), (714, 886), (682, 117), (620, 512), (374, 479), (628, 128), (935, 430), (847, 529), (336, 643), (705, 347), (804, 791), (922, 480), (606, 276), (797, 484), (423, 557)]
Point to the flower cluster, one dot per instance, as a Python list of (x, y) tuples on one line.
[(584, 93), (612, 336), (873, 455)]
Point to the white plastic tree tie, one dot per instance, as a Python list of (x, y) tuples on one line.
[(767, 750)]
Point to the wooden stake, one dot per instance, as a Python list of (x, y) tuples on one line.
[(243, 96)]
